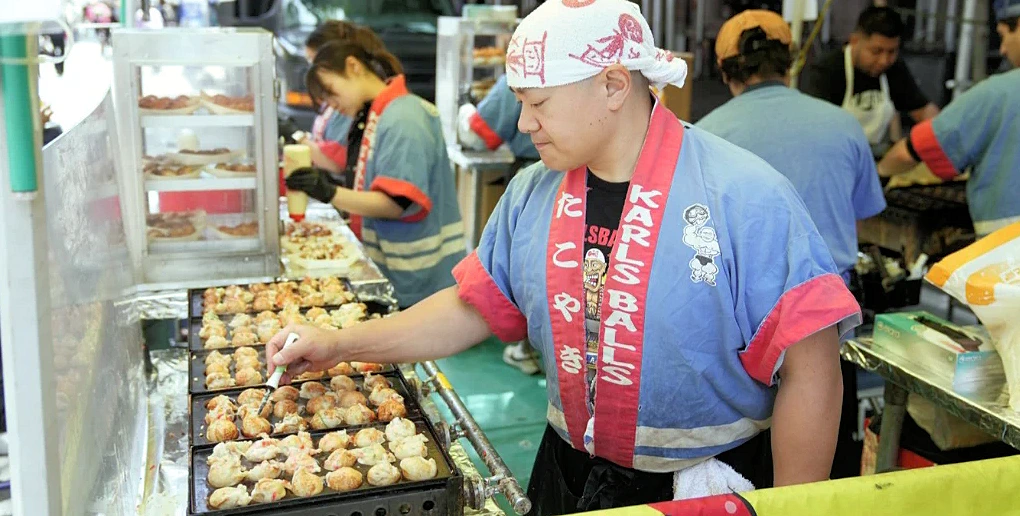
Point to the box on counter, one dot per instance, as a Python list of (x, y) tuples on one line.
[(963, 354)]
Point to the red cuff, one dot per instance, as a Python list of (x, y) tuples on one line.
[(481, 128), (928, 148), (802, 311), (335, 152), (399, 188), (477, 288)]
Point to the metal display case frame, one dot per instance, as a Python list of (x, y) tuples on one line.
[(242, 48)]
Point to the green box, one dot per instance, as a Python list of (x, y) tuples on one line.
[(975, 374)]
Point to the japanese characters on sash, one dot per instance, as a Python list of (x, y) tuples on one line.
[(623, 304)]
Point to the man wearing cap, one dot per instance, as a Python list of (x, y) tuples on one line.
[(979, 130), (717, 307), (868, 79), (820, 148)]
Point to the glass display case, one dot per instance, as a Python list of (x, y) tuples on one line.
[(196, 113), (470, 57)]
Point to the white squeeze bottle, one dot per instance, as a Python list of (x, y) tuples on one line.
[(295, 157)]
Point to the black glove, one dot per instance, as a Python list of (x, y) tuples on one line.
[(286, 127), (314, 182)]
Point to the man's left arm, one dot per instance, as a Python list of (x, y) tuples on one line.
[(907, 95), (927, 112), (807, 411)]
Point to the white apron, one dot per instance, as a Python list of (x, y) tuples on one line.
[(873, 111)]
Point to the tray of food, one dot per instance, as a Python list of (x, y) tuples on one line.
[(233, 331), (180, 226), (169, 171), (202, 157), (321, 472), (259, 297), (227, 105), (212, 371), (235, 231), (233, 170), (339, 403), (179, 105)]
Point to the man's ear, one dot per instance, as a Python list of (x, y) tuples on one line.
[(855, 38), (618, 85)]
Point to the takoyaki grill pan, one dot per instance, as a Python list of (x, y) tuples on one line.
[(196, 299), (439, 496)]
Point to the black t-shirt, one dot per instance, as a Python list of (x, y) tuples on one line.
[(604, 207), (826, 80), (354, 137)]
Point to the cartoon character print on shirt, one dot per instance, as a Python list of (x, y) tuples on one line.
[(594, 278), (703, 239)]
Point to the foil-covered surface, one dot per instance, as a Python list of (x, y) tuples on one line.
[(96, 351), (167, 472), (991, 415)]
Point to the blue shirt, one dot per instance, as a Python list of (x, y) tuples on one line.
[(501, 111), (819, 147)]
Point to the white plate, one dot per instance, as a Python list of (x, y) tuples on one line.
[(217, 109), (191, 175), (180, 111), (200, 160), (227, 236), (219, 172), (197, 235)]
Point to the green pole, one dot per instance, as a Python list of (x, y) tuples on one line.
[(124, 20), (18, 116)]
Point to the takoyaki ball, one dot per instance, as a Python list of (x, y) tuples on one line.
[(266, 333), (217, 368), (408, 447), (219, 380), (344, 479), (391, 409), (383, 474), (341, 369), (349, 399), (359, 415), (253, 426), (418, 468), (311, 375), (220, 412), (212, 329), (266, 316), (245, 338), (291, 423), (240, 320), (248, 377), (313, 313), (374, 381), (265, 469), (334, 441), (312, 390), (262, 303), (340, 459), (216, 342), (369, 436), (285, 407), (217, 358), (220, 401), (229, 498), (302, 442), (269, 490), (285, 393), (245, 410), (327, 418), (382, 394), (341, 384), (245, 352), (248, 363), (301, 461), (323, 402), (400, 428), (262, 450), (372, 455), (226, 473), (222, 430), (251, 397)]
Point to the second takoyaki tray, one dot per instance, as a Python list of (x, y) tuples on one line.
[(199, 428), (439, 495), (196, 298)]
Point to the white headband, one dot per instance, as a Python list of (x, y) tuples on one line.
[(566, 41)]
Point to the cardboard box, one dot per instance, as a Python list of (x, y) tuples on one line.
[(934, 344), (678, 100)]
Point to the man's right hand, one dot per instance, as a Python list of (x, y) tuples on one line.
[(315, 350)]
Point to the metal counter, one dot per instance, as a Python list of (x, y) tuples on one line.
[(905, 377)]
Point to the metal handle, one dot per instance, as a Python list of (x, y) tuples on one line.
[(508, 485)]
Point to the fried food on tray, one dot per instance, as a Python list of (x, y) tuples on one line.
[(219, 401), (248, 376), (382, 395), (302, 442), (334, 441), (253, 426), (291, 423), (369, 436), (267, 469), (312, 390), (226, 473), (301, 460), (306, 483), (229, 498), (222, 430), (340, 459), (285, 407), (242, 103), (163, 103), (342, 369), (236, 167), (383, 474), (413, 446), (219, 380), (359, 415), (217, 358), (205, 152), (418, 468), (244, 229), (251, 397), (269, 490), (245, 410), (168, 170), (216, 342), (319, 403), (327, 418), (341, 384), (372, 455), (399, 428), (391, 409), (286, 392), (344, 479), (349, 399), (264, 449)]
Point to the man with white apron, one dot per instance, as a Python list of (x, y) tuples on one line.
[(868, 79), (978, 130)]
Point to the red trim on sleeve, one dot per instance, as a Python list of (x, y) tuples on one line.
[(802, 311), (721, 505), (399, 188), (928, 148), (335, 152), (477, 288), (480, 127)]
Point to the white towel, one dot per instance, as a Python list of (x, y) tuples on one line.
[(710, 478)]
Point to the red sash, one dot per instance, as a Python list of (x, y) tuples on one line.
[(396, 87), (621, 333)]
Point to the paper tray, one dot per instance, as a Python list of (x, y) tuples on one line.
[(441, 495)]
